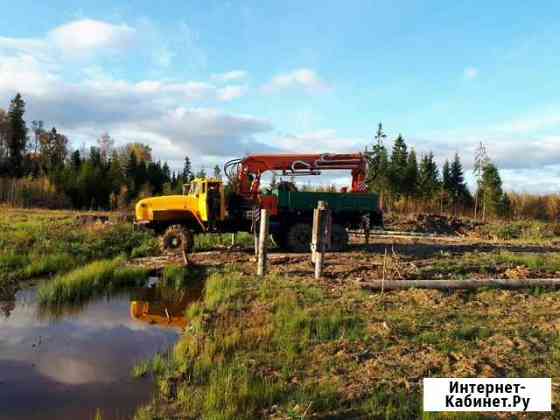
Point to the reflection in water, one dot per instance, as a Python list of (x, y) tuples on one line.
[(66, 362), (162, 306)]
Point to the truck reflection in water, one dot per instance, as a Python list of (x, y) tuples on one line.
[(162, 306), (70, 361)]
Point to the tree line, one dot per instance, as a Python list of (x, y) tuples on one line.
[(109, 177), (98, 177), (406, 182)]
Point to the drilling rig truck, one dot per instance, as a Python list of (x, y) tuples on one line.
[(205, 206)]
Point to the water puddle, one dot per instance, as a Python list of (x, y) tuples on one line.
[(68, 362)]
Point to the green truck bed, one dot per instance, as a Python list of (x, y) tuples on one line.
[(337, 202)]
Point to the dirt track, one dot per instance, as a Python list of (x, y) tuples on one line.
[(390, 258)]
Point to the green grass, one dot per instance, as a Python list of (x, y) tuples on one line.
[(491, 264), (149, 247), (180, 277), (207, 241), (292, 348), (40, 243), (99, 277), (49, 264), (156, 366)]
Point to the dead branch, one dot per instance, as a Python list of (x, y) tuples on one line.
[(458, 284)]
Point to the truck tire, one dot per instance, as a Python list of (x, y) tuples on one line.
[(177, 238), (298, 238), (339, 239)]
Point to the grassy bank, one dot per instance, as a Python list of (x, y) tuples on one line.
[(99, 277), (41, 243), (292, 348)]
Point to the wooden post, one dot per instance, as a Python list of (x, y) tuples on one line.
[(263, 236), (256, 232), (232, 240), (314, 235), (320, 236)]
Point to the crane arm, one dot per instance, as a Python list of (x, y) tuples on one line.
[(247, 172)]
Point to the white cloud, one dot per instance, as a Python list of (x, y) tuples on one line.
[(86, 36), (230, 76), (164, 113), (74, 40), (525, 149), (24, 72), (229, 93), (470, 73), (302, 78), (542, 120)]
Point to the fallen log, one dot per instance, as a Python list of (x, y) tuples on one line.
[(458, 284)]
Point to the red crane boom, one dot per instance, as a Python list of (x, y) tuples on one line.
[(246, 173)]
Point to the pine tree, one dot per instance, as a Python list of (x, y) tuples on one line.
[(378, 168), (116, 173), (459, 192), (76, 160), (429, 177), (166, 172), (141, 177), (217, 172), (411, 175), (187, 171), (17, 138), (491, 191), (397, 167), (446, 177), (131, 173)]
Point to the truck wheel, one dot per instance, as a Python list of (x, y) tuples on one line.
[(298, 238), (176, 238), (339, 240)]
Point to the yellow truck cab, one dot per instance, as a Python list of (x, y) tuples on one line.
[(199, 209)]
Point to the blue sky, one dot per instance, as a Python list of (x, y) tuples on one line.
[(216, 80)]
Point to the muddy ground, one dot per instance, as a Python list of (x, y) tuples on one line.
[(403, 258)]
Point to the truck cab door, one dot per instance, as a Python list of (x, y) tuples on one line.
[(214, 201)]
